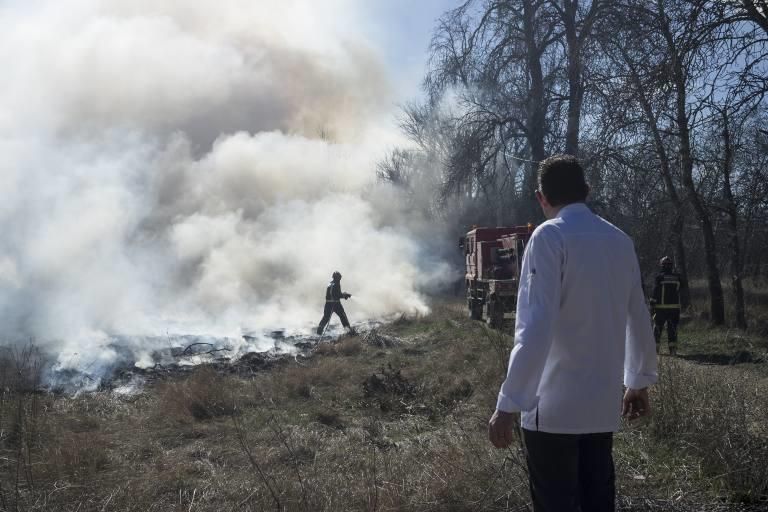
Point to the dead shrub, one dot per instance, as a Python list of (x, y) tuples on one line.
[(375, 338), (349, 347), (300, 388), (459, 392), (388, 382), (390, 391), (298, 382), (303, 382), (325, 349), (345, 346), (202, 396), (330, 419)]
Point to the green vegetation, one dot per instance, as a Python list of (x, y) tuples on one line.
[(394, 419)]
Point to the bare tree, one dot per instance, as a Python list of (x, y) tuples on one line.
[(578, 22), (663, 100), (733, 220), (496, 57), (683, 35), (639, 60)]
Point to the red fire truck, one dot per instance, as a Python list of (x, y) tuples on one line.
[(493, 257)]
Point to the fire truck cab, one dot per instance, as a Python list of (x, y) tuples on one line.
[(493, 258)]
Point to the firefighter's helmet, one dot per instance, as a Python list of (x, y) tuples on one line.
[(665, 263), (336, 275)]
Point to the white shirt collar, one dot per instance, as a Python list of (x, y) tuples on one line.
[(571, 209)]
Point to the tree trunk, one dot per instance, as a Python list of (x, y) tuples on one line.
[(536, 108), (536, 119), (758, 12), (716, 301), (681, 261), (678, 224), (575, 86), (733, 225)]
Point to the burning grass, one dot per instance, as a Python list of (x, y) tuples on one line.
[(391, 421)]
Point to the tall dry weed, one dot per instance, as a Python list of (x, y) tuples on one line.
[(20, 422), (719, 415)]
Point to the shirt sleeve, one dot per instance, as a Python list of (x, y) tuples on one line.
[(640, 357), (538, 307)]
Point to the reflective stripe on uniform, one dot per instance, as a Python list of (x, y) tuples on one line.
[(663, 293)]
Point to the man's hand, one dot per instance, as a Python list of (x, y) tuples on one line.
[(636, 404), (347, 295), (500, 428)]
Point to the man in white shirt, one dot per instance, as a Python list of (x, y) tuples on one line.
[(582, 326)]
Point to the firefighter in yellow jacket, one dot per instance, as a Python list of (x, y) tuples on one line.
[(665, 302), (333, 296)]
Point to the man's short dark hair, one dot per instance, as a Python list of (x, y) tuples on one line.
[(561, 180)]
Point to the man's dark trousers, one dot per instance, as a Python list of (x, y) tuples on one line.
[(330, 308), (571, 472)]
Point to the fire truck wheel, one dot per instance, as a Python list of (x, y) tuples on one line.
[(475, 310), (495, 315)]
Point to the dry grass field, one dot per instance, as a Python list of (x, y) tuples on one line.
[(390, 420)]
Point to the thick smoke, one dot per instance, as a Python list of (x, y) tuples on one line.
[(193, 167)]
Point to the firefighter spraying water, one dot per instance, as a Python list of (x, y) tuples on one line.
[(333, 296)]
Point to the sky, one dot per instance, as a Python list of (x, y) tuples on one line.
[(402, 30)]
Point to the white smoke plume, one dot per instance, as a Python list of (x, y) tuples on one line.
[(193, 167)]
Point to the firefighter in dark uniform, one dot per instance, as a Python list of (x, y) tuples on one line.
[(665, 303), (333, 296)]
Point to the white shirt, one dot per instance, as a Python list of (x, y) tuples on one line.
[(581, 323)]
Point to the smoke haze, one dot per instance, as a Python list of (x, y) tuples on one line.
[(194, 167)]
